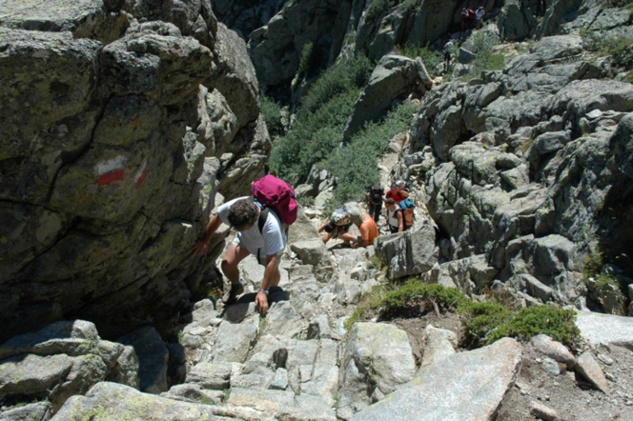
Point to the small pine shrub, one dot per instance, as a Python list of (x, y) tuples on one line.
[(593, 265), (271, 111), (368, 305), (480, 319), (622, 51), (377, 8), (487, 322), (415, 296), (557, 323), (305, 60)]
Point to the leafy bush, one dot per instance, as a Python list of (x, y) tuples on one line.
[(344, 76), (271, 111), (481, 318), (368, 305), (593, 264), (378, 7), (318, 127), (431, 59), (622, 51), (416, 297), (620, 48), (305, 59), (487, 322), (355, 166), (553, 321)]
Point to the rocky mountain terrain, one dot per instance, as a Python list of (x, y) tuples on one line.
[(125, 122)]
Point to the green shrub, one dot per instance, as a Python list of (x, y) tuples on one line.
[(355, 166), (319, 123), (431, 59), (593, 265), (377, 8), (305, 61), (557, 323), (368, 306), (417, 297), (481, 318), (622, 51), (343, 76), (486, 322), (312, 139), (271, 111)]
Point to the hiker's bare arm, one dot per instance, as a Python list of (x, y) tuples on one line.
[(201, 246), (400, 221), (363, 240), (270, 273)]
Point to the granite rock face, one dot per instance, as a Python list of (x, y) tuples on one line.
[(110, 111)]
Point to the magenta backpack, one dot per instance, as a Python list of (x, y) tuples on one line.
[(274, 193)]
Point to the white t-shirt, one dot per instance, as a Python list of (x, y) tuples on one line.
[(392, 217), (271, 240)]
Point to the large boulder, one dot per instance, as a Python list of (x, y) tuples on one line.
[(108, 401), (108, 109), (453, 386), (409, 253), (394, 78)]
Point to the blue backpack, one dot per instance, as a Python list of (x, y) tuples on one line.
[(408, 215)]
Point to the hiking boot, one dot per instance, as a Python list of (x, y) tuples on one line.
[(230, 296)]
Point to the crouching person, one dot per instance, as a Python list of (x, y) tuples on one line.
[(265, 239), (366, 226), (338, 225)]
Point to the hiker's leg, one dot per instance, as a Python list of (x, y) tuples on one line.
[(234, 255)]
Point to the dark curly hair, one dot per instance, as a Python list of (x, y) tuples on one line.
[(243, 213)]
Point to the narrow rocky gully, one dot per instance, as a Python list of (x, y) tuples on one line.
[(300, 362)]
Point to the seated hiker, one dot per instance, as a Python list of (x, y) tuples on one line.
[(365, 223), (395, 221), (338, 225), (267, 244), (397, 192), (373, 199)]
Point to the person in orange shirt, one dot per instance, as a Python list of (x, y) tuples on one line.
[(365, 223)]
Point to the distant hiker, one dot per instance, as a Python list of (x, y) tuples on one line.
[(479, 16), (373, 199), (408, 213), (266, 244), (397, 192), (365, 223), (468, 16), (338, 225), (394, 216), (449, 48)]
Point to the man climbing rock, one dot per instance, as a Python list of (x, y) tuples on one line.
[(265, 240)]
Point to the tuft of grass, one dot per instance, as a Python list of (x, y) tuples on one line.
[(368, 306)]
